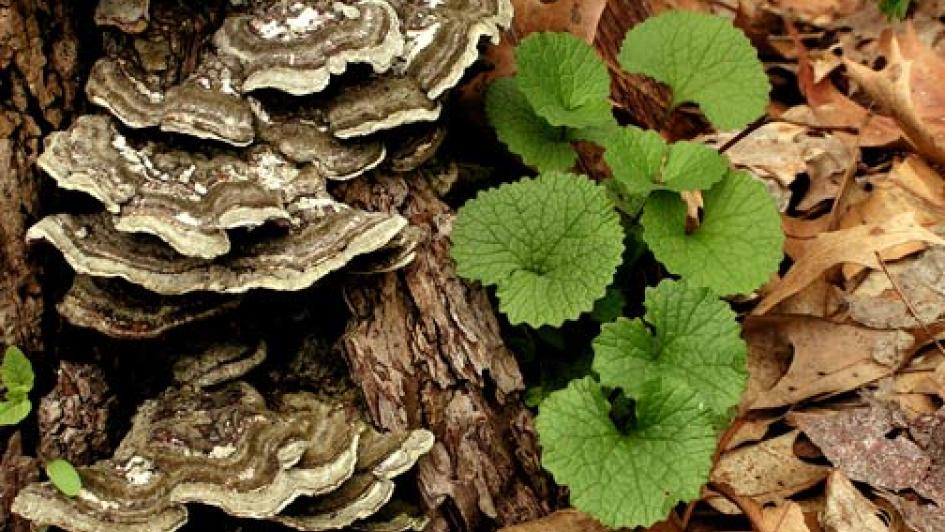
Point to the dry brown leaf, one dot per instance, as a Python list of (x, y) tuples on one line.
[(847, 509), (787, 517), (799, 233), (820, 299), (910, 186), (856, 244), (859, 34), (793, 358), (767, 472), (877, 303), (578, 17), (561, 521), (919, 388), (778, 152), (750, 430), (909, 88), (816, 12), (827, 107)]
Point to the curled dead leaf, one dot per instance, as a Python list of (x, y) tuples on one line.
[(767, 472), (856, 244), (794, 358), (907, 90)]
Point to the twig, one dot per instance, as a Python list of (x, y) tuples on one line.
[(744, 133), (912, 310)]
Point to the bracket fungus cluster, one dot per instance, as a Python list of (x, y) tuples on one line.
[(306, 462), (214, 179), (209, 154)]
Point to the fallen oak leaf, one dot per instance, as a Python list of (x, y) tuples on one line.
[(577, 17), (856, 244), (748, 506), (827, 107), (918, 293), (916, 109), (823, 357), (766, 472), (778, 152), (921, 517), (910, 186)]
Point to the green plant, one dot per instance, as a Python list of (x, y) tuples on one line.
[(64, 477), (560, 95), (895, 9), (17, 376), (638, 438), (550, 244)]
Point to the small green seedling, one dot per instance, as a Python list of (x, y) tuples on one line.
[(64, 477), (17, 376), (895, 9)]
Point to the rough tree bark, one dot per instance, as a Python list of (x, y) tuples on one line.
[(38, 86), (37, 90), (424, 346)]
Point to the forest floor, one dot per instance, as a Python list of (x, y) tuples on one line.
[(842, 424)]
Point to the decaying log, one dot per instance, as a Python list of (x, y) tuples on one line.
[(424, 346)]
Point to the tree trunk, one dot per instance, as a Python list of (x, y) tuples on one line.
[(37, 91), (424, 346), (38, 86)]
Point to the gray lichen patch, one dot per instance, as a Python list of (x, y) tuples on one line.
[(415, 49), (219, 363), (219, 193), (415, 147), (379, 104), (208, 104), (442, 38), (205, 105), (126, 91)]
